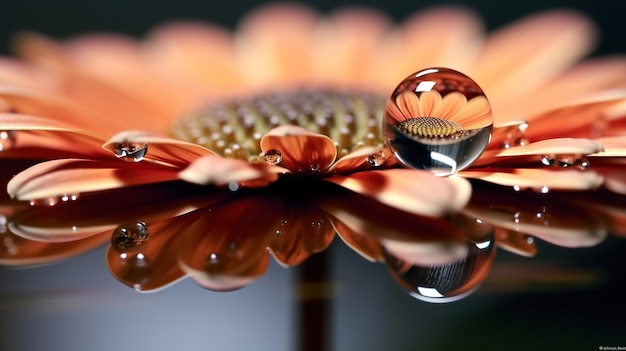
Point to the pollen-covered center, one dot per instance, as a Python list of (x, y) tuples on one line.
[(234, 128), (430, 127)]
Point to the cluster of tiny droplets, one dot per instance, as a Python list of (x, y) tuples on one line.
[(234, 129)]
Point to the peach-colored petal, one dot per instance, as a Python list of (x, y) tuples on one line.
[(196, 57), (542, 180), (274, 46), (475, 114), (162, 150), (211, 170), (75, 176), (345, 44), (612, 147), (443, 36), (430, 104), (366, 246), (515, 242), (301, 151), (304, 230), (524, 49), (408, 104), (224, 247), (358, 160), (23, 252), (409, 190), (558, 146)]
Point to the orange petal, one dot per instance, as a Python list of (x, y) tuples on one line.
[(409, 190), (522, 50), (196, 57), (357, 160), (301, 151), (612, 147), (558, 146), (220, 251), (366, 246), (274, 46), (223, 171), (542, 180), (304, 230), (74, 176)]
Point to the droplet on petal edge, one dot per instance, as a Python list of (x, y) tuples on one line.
[(438, 119), (7, 139), (376, 159), (130, 151), (130, 237), (272, 157), (565, 161)]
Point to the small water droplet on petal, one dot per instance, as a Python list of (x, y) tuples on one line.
[(438, 119), (130, 237), (272, 157), (130, 151), (7, 139), (376, 159)]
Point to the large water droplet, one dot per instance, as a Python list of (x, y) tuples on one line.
[(448, 282), (130, 151), (130, 237), (273, 157), (7, 139), (438, 119)]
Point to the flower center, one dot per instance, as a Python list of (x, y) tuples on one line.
[(234, 128), (430, 127)]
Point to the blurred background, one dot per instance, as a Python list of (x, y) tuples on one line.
[(564, 299)]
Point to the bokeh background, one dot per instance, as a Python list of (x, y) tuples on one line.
[(564, 299)]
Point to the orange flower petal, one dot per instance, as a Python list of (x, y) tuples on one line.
[(612, 147), (409, 190), (539, 179), (274, 46), (301, 151), (523, 50), (366, 246), (212, 170), (73, 176)]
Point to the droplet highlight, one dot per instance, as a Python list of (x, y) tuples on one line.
[(7, 139), (130, 237), (565, 161), (130, 151), (272, 157), (438, 119)]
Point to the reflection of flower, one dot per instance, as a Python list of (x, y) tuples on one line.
[(255, 159)]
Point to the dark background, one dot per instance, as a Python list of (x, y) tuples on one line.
[(61, 18)]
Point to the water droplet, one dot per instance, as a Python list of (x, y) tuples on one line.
[(130, 237), (7, 139), (438, 119), (315, 167), (448, 282), (130, 151), (68, 197), (515, 134), (283, 222), (565, 161), (376, 159), (273, 157), (213, 258)]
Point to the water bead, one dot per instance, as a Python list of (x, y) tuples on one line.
[(376, 159), (7, 139), (437, 119), (273, 157), (129, 237), (130, 151)]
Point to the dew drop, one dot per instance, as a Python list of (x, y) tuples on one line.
[(448, 282), (130, 151), (7, 139), (130, 237), (565, 161), (376, 159), (315, 167), (438, 119), (273, 157)]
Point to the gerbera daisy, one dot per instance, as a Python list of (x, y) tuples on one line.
[(283, 120)]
